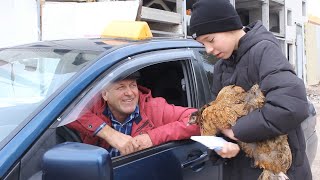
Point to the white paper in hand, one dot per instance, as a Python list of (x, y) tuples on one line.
[(212, 142)]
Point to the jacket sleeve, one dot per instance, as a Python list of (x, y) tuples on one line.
[(173, 124), (286, 104), (87, 122)]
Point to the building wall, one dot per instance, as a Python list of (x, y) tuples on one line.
[(313, 53), (284, 31), (19, 22), (296, 7), (298, 18), (255, 14), (312, 33)]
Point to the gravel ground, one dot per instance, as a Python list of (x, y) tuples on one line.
[(313, 93)]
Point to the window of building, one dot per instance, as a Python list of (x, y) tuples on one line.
[(289, 17), (304, 8), (274, 22), (290, 52), (277, 18)]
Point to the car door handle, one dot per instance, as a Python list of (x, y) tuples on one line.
[(202, 158)]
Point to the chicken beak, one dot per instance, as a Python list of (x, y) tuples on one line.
[(192, 120)]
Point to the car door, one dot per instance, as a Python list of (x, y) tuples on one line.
[(183, 159)]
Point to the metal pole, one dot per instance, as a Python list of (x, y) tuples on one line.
[(39, 19), (265, 13), (184, 19)]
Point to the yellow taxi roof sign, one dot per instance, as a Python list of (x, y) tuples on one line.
[(136, 30)]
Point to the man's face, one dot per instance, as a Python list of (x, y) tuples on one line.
[(220, 44), (122, 97)]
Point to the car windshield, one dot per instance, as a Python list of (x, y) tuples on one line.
[(29, 76)]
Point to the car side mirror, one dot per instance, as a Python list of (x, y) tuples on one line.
[(72, 160)]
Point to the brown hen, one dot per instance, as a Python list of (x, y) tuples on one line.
[(272, 155)]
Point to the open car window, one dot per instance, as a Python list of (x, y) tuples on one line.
[(164, 78)]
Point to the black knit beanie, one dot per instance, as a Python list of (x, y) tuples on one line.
[(211, 16)]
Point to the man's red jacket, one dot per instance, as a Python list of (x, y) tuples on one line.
[(163, 122)]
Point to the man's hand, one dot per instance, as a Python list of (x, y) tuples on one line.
[(143, 141), (229, 150), (124, 143)]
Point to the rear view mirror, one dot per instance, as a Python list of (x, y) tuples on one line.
[(71, 160)]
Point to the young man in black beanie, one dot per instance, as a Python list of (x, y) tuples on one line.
[(252, 55)]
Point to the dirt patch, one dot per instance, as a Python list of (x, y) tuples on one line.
[(313, 92)]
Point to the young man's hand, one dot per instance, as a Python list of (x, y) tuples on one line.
[(143, 141), (229, 150), (229, 133)]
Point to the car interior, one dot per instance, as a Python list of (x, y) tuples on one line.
[(165, 80)]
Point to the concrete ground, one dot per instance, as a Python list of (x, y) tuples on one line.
[(314, 95), (315, 168)]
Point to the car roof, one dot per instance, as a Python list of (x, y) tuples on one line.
[(104, 44)]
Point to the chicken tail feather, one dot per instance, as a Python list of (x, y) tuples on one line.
[(268, 175)]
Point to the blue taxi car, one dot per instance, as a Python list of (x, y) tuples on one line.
[(45, 85)]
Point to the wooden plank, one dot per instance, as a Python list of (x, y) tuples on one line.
[(248, 4), (277, 1), (70, 0), (160, 2), (165, 33), (157, 15)]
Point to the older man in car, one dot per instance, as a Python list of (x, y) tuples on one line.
[(126, 118)]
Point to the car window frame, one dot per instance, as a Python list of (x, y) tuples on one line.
[(203, 62), (114, 72), (141, 61)]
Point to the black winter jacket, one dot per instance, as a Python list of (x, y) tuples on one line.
[(259, 59)]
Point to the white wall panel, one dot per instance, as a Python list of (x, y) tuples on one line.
[(19, 22), (68, 20)]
